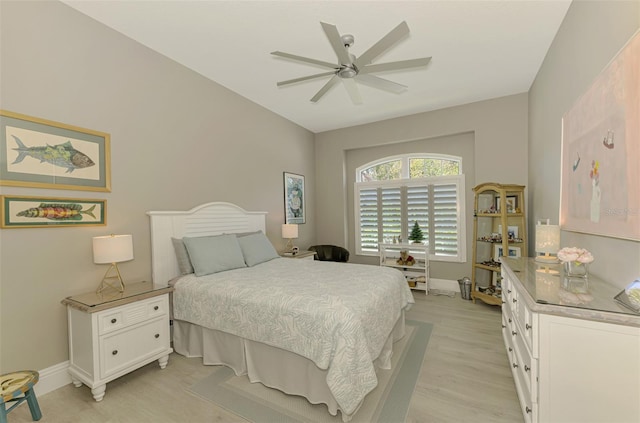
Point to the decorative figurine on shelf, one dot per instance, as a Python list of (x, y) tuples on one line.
[(405, 259), (416, 234)]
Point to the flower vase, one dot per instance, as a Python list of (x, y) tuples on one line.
[(575, 269)]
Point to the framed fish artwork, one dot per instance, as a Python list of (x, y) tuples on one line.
[(38, 153), (34, 212)]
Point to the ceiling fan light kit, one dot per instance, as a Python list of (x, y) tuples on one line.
[(351, 69)]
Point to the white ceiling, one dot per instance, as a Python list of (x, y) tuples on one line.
[(480, 49)]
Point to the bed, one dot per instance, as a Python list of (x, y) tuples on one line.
[(316, 329)]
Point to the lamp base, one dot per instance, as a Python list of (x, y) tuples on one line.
[(289, 248), (547, 258), (113, 282)]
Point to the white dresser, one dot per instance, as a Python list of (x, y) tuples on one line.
[(574, 352), (112, 334)]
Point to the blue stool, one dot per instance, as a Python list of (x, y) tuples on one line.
[(18, 387)]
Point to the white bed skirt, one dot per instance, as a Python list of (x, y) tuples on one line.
[(273, 367)]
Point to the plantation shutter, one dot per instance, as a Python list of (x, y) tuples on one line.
[(368, 219), (445, 219), (391, 211), (387, 209), (418, 208)]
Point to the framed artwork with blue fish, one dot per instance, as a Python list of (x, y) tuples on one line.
[(38, 153), (34, 212)]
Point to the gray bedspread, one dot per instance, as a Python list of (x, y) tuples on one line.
[(337, 315)]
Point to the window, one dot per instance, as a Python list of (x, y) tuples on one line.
[(393, 193)]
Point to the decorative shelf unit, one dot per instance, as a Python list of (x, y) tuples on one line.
[(417, 274), (499, 229)]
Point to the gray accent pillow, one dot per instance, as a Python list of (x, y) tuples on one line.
[(256, 249), (184, 263), (213, 254)]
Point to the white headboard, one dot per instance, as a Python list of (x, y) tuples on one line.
[(207, 219)]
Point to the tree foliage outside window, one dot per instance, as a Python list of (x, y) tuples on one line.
[(424, 167), (386, 171)]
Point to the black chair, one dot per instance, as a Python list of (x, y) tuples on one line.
[(330, 253)]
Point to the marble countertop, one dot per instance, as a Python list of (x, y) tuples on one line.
[(551, 292)]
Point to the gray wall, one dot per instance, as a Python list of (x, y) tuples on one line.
[(177, 140), (590, 36), (499, 129)]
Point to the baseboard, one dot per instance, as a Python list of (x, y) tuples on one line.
[(52, 378)]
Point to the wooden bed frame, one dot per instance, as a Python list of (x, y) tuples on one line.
[(207, 219)]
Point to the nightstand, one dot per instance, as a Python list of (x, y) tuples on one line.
[(114, 333), (305, 255)]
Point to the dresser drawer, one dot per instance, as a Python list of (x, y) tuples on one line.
[(122, 350), (113, 320)]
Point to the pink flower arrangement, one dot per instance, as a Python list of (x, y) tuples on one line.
[(575, 254)]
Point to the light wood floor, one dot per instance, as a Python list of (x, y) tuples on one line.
[(465, 378)]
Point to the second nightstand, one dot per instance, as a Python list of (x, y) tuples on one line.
[(113, 333), (308, 255)]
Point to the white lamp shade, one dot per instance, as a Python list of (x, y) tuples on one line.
[(290, 230), (112, 248), (547, 239)]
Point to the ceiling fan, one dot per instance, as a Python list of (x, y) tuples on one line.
[(350, 68)]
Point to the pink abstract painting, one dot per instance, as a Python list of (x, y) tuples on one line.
[(600, 191)]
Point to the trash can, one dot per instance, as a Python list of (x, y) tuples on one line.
[(465, 288)]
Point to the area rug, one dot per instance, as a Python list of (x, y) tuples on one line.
[(388, 402)]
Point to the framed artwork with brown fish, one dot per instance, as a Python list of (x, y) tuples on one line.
[(38, 153), (34, 212)]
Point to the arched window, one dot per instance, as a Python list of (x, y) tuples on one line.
[(393, 193)]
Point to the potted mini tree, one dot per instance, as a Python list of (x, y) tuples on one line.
[(416, 234)]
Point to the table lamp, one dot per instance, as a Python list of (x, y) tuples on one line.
[(112, 249), (547, 241), (289, 231)]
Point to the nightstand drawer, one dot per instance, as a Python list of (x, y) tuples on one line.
[(109, 321), (120, 351)]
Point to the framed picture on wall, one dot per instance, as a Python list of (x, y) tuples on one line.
[(294, 198), (37, 212), (38, 153), (600, 176)]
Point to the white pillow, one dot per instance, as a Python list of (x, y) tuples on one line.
[(256, 248), (213, 254)]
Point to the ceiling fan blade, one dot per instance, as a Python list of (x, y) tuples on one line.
[(352, 89), (304, 78), (383, 84), (395, 35), (333, 81), (334, 38), (402, 64), (305, 59)]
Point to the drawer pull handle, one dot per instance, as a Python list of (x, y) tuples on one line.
[(514, 300), (156, 308), (527, 326), (504, 302), (515, 365), (508, 291), (157, 335), (528, 410), (526, 368), (114, 352), (510, 349), (509, 319), (114, 320), (514, 333)]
